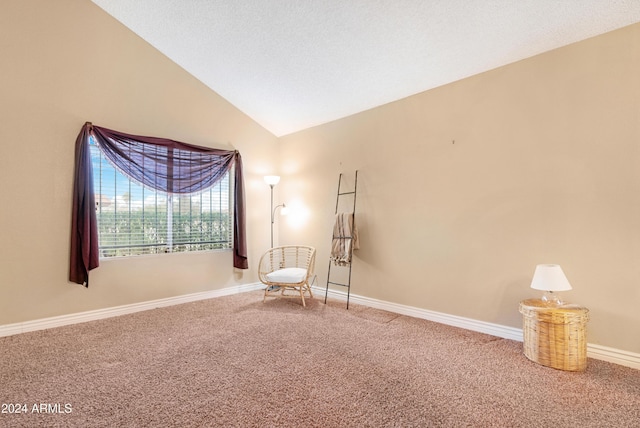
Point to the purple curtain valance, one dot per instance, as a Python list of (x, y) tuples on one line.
[(162, 164)]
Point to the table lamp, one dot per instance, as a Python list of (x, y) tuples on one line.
[(550, 278)]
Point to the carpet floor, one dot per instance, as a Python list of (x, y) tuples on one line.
[(238, 362)]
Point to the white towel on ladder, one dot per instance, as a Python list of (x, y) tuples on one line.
[(345, 239)]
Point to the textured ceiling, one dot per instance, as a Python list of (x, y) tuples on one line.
[(293, 64)]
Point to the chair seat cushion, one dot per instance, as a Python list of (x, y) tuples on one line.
[(288, 275)]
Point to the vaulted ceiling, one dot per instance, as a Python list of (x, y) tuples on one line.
[(294, 64)]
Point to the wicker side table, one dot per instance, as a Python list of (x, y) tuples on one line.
[(555, 336)]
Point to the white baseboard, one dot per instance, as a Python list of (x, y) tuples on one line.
[(598, 352), (62, 320), (612, 355)]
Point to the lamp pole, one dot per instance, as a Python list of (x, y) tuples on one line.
[(272, 213), (273, 218), (272, 180)]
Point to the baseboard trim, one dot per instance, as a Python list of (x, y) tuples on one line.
[(598, 352), (612, 355), (62, 320)]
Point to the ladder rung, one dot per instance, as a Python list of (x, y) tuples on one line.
[(337, 283), (346, 193)]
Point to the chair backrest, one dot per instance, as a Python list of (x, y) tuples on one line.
[(288, 256)]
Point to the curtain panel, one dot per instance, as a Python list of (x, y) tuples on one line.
[(158, 163)]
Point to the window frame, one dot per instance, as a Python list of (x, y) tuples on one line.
[(167, 223)]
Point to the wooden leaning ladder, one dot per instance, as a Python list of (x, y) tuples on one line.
[(339, 194)]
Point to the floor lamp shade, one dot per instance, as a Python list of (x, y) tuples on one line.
[(272, 180)]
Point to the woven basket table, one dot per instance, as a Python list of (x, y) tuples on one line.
[(555, 336)]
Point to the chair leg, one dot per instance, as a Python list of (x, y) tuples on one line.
[(309, 290), (302, 296)]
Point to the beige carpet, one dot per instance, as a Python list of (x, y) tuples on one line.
[(236, 362)]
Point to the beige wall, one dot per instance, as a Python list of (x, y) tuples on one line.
[(545, 168), (65, 62)]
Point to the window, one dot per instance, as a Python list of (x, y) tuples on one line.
[(167, 166), (134, 219)]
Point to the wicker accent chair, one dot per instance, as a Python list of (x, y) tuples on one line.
[(287, 269)]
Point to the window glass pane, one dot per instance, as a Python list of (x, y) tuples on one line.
[(134, 220)]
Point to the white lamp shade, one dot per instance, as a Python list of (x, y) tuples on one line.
[(272, 180), (550, 278)]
